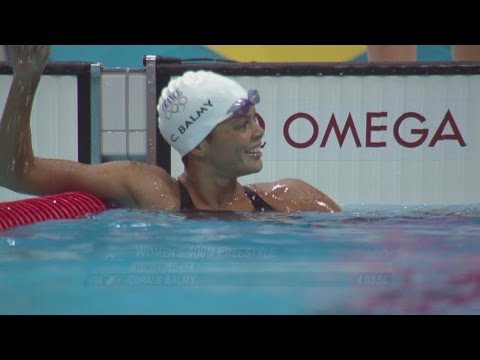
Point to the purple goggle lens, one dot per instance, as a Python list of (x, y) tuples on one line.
[(242, 106)]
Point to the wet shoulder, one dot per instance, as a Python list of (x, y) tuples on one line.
[(154, 188), (294, 195)]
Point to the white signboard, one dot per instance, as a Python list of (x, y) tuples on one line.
[(371, 139)]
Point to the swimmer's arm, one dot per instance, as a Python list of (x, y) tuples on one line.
[(123, 183), (16, 154), (295, 195)]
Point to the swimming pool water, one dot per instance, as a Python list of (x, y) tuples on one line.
[(365, 260)]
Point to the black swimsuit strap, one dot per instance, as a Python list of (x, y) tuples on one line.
[(186, 202), (258, 203)]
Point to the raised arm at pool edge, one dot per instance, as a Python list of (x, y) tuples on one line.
[(120, 182), (16, 154)]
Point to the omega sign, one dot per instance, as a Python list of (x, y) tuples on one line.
[(415, 123)]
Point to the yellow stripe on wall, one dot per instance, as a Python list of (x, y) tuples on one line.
[(289, 53)]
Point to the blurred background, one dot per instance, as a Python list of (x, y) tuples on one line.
[(131, 55)]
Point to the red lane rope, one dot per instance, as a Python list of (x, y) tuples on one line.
[(71, 205)]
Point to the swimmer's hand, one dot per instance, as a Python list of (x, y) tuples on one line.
[(28, 61)]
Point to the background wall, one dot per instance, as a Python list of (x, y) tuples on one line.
[(124, 139)]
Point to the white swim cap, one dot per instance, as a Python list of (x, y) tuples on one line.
[(192, 105)]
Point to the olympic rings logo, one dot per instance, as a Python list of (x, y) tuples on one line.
[(177, 107)]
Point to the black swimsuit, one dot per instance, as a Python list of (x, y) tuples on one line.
[(186, 203)]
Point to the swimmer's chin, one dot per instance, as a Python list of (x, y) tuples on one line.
[(251, 172)]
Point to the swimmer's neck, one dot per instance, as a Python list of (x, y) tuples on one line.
[(212, 191)]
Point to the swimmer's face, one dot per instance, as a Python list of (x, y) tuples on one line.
[(233, 147)]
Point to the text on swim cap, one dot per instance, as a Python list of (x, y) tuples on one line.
[(171, 99), (198, 114)]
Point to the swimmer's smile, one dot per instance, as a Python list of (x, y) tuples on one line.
[(254, 152)]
